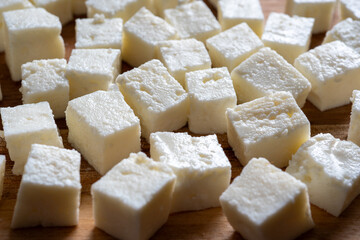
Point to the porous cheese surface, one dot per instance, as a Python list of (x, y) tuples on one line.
[(49, 193), (334, 72), (156, 97), (25, 125), (266, 203), (200, 165), (354, 126), (350, 9), (288, 36), (330, 169), (161, 5), (266, 72), (2, 173), (142, 33), (258, 127), (233, 46), (136, 195), (60, 8)]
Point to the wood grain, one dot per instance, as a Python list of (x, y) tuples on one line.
[(206, 224)]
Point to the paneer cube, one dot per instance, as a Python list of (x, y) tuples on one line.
[(354, 126), (350, 9), (60, 8)]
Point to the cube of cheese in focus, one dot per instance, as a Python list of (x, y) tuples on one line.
[(142, 33), (288, 36), (266, 72), (193, 20), (31, 34), (354, 126), (182, 56), (2, 173), (257, 128), (90, 70), (211, 92), (60, 8), (266, 203), (334, 72), (233, 46), (161, 5), (331, 170), (201, 167), (79, 7), (99, 32), (233, 12), (350, 9), (132, 201), (44, 80), (103, 128), (156, 97), (321, 10), (49, 193), (25, 125)]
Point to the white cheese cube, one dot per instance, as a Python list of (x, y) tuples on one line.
[(156, 97), (90, 70), (142, 33), (103, 128), (334, 72), (161, 5), (182, 56), (49, 193), (2, 173), (25, 125), (331, 170), (201, 167), (288, 36), (233, 12), (31, 34), (321, 10), (99, 32), (44, 80), (60, 8), (350, 9), (233, 46), (132, 201), (266, 72), (266, 203), (354, 126), (259, 127), (211, 92), (79, 7), (193, 20)]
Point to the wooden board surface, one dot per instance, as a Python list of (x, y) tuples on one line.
[(206, 224)]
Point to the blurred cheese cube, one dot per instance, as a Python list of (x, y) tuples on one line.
[(25, 125), (182, 56), (49, 193), (79, 7), (266, 72), (334, 72), (233, 46), (331, 170), (60, 8), (2, 173), (156, 97), (266, 203), (211, 92), (161, 5), (288, 36), (350, 9), (44, 80), (193, 20), (31, 34), (354, 126), (201, 167), (90, 70), (142, 33)]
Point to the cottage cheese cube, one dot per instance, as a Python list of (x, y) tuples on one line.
[(182, 56), (142, 33), (31, 34), (99, 32), (211, 92), (60, 8), (161, 5), (233, 46), (44, 80), (25, 125), (201, 167), (132, 201), (266, 72), (334, 72), (90, 70), (267, 203), (193, 20), (103, 128), (350, 9), (288, 36), (321, 10), (233, 12), (2, 173), (79, 7), (354, 126), (156, 97), (49, 193), (331, 170)]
